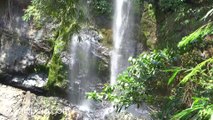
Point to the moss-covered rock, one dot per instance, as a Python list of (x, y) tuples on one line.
[(107, 37), (58, 73)]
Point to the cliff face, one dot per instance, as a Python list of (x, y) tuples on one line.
[(23, 49)]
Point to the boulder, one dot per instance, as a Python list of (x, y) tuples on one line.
[(23, 105)]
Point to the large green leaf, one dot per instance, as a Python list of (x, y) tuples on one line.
[(199, 34), (196, 70)]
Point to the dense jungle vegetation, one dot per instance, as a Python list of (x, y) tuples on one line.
[(175, 76)]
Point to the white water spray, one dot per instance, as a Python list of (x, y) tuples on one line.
[(80, 70), (83, 67), (124, 46), (84, 73)]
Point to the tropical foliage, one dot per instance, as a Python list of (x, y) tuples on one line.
[(101, 7), (179, 81), (171, 4)]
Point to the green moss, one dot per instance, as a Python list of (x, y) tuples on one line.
[(57, 71), (107, 37), (198, 35)]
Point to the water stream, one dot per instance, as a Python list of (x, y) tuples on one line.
[(124, 45), (84, 74), (82, 70)]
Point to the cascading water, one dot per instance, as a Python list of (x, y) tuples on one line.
[(82, 67), (124, 45), (84, 73)]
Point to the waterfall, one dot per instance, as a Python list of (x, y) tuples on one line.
[(123, 43), (82, 69), (84, 76)]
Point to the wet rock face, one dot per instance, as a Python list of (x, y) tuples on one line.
[(98, 50), (19, 59), (15, 53), (38, 80), (19, 53), (99, 53), (23, 49)]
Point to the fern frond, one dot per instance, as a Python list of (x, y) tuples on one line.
[(195, 70), (197, 35)]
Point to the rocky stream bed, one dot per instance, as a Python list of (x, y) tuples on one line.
[(17, 104)]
